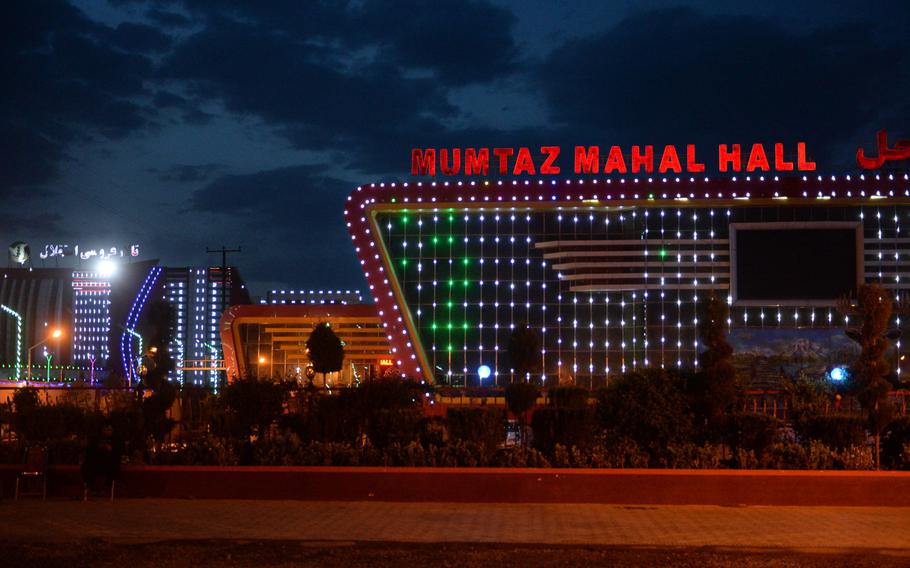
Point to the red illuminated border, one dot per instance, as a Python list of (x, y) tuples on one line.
[(366, 200)]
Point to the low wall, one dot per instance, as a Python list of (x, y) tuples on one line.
[(631, 486)]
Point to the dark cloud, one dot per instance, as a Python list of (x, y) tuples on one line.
[(167, 19), (19, 224), (188, 173), (139, 37), (69, 80), (460, 42), (287, 214), (301, 89), (678, 75)]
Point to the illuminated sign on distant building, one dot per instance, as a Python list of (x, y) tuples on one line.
[(64, 250)]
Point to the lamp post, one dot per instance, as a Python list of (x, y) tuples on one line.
[(56, 334)]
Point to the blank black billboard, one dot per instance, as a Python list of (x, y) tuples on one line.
[(792, 264)]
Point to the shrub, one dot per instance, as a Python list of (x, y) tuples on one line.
[(751, 432), (45, 422), (521, 397), (285, 448), (785, 455), (647, 406), (567, 427), (253, 404), (197, 450), (613, 451), (394, 426), (835, 431), (483, 426), (569, 397), (896, 444)]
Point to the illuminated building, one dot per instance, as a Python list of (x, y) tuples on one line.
[(199, 296), (92, 310), (313, 297), (41, 298), (270, 341), (91, 317), (611, 272)]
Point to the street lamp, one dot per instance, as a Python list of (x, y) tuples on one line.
[(56, 334), (262, 361)]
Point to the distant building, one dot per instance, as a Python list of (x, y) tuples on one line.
[(270, 341), (313, 297), (199, 296), (92, 310)]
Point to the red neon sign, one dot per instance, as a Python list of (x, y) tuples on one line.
[(900, 151), (592, 160)]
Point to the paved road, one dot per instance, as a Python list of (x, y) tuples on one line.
[(136, 521)]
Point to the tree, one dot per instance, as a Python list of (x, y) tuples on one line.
[(716, 377), (325, 350), (254, 404), (520, 398), (524, 351), (158, 327), (873, 310)]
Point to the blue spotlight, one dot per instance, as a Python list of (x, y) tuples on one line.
[(838, 374), (484, 372)]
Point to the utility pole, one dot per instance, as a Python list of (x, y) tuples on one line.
[(224, 252)]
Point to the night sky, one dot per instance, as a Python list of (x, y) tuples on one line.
[(182, 125)]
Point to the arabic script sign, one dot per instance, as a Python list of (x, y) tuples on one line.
[(900, 151), (61, 250)]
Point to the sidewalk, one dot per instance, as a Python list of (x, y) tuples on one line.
[(797, 528)]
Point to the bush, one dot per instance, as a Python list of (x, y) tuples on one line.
[(896, 444), (394, 426), (751, 432), (649, 407), (42, 423), (199, 450), (612, 451), (567, 427), (252, 404), (483, 426), (569, 397), (517, 457), (521, 397), (835, 431)]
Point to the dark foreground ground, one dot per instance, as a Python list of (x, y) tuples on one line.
[(133, 533), (197, 554)]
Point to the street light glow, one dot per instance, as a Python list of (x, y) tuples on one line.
[(107, 268), (56, 333)]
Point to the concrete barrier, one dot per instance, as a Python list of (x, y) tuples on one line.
[(494, 485)]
